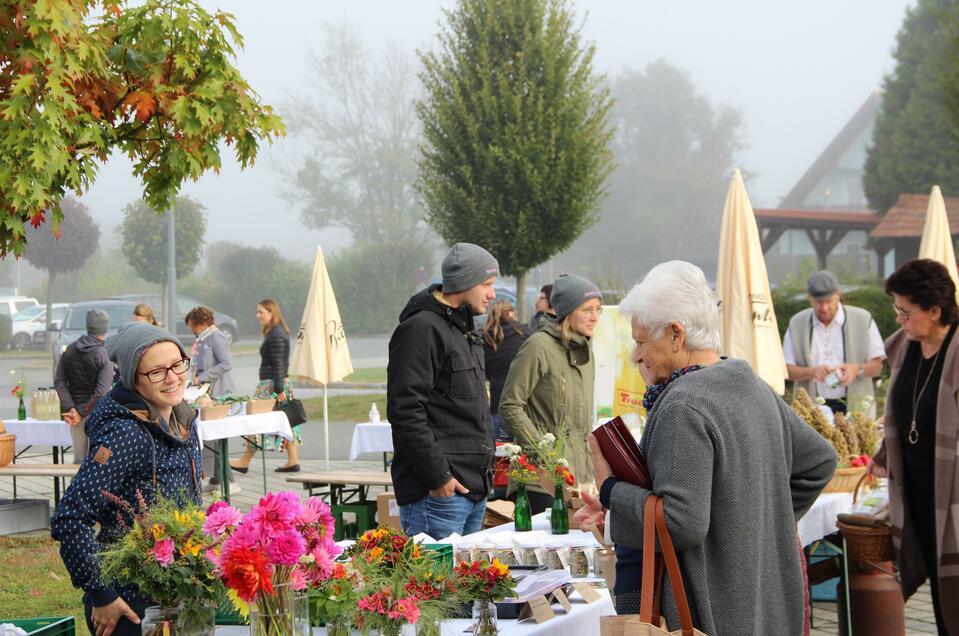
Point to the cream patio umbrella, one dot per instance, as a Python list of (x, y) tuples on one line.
[(936, 242), (749, 328), (321, 355)]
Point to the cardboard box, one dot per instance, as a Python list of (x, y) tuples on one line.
[(387, 510)]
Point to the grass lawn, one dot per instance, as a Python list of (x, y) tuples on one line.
[(372, 375), (35, 583), (346, 408)]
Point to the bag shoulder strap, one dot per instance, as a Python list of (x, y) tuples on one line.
[(672, 568)]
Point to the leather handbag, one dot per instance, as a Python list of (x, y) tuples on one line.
[(650, 620), (295, 412), (621, 451)]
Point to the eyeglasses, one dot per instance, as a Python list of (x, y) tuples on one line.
[(159, 375), (597, 311), (902, 313)]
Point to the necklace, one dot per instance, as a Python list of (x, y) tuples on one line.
[(913, 434)]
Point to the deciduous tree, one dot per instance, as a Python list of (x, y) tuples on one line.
[(82, 79), (516, 127), (145, 238)]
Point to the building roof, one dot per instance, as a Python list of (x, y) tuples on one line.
[(817, 218), (908, 216), (830, 156)]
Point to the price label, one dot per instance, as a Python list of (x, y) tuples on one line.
[(587, 591)]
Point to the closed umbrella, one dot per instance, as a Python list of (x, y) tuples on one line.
[(749, 327), (936, 241), (321, 355)]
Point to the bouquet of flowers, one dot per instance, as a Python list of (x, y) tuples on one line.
[(400, 583), (484, 582), (549, 452), (168, 552), (521, 469), (281, 546), (19, 389)]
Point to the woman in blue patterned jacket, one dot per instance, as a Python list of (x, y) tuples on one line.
[(142, 438)]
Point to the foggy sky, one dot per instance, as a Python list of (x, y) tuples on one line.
[(797, 71)]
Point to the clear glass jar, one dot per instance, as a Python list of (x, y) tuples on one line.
[(528, 555), (507, 556), (553, 560), (578, 562), (158, 621), (465, 553), (484, 618), (485, 552)]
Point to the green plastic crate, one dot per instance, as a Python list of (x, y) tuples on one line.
[(51, 626), (444, 551)]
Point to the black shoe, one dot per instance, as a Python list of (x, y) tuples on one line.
[(240, 469), (295, 468)]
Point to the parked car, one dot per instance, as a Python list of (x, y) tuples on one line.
[(74, 323), (10, 305), (30, 325), (183, 306)]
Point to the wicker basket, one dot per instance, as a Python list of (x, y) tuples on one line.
[(7, 444), (845, 479), (867, 543)]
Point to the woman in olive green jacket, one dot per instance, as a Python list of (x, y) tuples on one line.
[(549, 388)]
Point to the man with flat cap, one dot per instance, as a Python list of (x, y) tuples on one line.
[(834, 350), (436, 400)]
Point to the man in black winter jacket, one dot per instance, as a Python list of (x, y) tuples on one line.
[(436, 400), (84, 375)]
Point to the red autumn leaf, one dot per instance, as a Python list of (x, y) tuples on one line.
[(144, 104), (37, 219)]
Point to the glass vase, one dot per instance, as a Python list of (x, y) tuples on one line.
[(427, 628), (21, 411), (283, 613), (339, 626), (484, 618), (196, 619), (522, 513), (559, 517), (159, 621)]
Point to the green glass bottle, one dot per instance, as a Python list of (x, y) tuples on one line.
[(559, 519), (522, 513), (21, 410)]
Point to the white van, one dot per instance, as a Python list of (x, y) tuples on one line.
[(29, 327), (10, 305)]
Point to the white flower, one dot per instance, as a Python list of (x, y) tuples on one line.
[(879, 383), (512, 450), (562, 462), (547, 440), (820, 399)]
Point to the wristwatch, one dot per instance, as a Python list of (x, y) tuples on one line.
[(862, 372)]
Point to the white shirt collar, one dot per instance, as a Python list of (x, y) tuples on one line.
[(840, 319)]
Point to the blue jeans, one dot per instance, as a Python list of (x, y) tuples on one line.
[(500, 432), (440, 517)]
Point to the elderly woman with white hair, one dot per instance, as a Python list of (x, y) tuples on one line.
[(734, 464)]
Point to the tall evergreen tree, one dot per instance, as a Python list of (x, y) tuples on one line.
[(516, 127), (915, 142)]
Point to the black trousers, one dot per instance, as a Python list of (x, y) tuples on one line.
[(124, 627), (923, 515)]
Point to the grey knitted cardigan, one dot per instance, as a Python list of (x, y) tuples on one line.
[(736, 468)]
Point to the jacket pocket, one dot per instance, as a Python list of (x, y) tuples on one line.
[(463, 382)]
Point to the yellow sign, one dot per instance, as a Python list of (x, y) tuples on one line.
[(619, 387)]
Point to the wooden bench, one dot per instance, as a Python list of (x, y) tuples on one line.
[(344, 485), (59, 472)]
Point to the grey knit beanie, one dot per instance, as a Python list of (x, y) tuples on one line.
[(569, 292), (98, 321), (466, 266), (128, 345)]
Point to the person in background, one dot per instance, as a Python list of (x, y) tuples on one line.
[(211, 365), (919, 446), (436, 400), (143, 441), (834, 350), (274, 381), (84, 375), (543, 307), (734, 464), (143, 313), (502, 338), (549, 388)]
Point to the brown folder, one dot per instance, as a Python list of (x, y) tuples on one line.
[(621, 451)]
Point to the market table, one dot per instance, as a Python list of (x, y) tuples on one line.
[(269, 423), (582, 620), (33, 432), (820, 520), (372, 438)]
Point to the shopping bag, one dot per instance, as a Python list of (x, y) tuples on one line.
[(649, 624)]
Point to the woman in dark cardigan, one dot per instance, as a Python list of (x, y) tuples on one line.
[(274, 382), (502, 338)]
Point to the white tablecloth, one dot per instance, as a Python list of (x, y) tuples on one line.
[(270, 423), (371, 438), (821, 518), (581, 621), (31, 432)]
